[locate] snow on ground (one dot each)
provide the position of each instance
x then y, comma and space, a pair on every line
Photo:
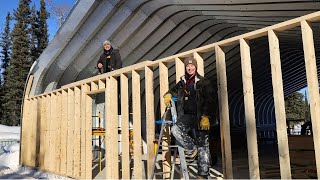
9, 157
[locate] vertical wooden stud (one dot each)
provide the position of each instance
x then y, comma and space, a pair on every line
200, 63
83, 132
71, 136
88, 134
77, 125
180, 69
64, 126
58, 132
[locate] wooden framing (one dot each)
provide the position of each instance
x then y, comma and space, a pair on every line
313, 86
224, 113
67, 111
280, 111
125, 126
150, 118
164, 87
136, 109
251, 130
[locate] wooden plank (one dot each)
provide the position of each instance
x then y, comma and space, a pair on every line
83, 132
58, 132
24, 132
164, 87
88, 121
224, 113
53, 126
77, 125
94, 86
47, 158
112, 166
93, 92
200, 62
279, 104
43, 136
71, 136
28, 88
249, 110
313, 86
180, 69
136, 110
64, 127
150, 118
102, 83
125, 127
33, 134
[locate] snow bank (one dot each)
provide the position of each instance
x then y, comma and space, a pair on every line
10, 129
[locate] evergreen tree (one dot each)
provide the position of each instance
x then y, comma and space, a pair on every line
34, 31
295, 106
43, 37
20, 63
5, 44
307, 107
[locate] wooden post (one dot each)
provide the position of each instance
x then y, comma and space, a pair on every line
58, 132
43, 132
88, 131
279, 104
249, 110
166, 140
150, 118
125, 127
77, 125
136, 109
180, 69
112, 166
200, 64
70, 139
25, 132
33, 130
48, 140
83, 139
64, 126
224, 113
313, 86
53, 132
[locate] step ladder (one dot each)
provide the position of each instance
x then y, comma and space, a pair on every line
176, 148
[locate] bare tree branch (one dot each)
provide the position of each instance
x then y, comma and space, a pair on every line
59, 11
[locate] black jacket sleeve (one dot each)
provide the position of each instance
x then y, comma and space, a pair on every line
209, 107
174, 90
117, 58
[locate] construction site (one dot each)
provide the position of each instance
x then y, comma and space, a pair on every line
82, 124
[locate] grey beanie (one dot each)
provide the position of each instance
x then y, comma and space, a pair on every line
106, 42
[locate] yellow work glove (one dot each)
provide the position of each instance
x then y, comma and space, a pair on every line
205, 123
167, 99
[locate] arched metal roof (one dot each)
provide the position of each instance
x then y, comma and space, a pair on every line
152, 29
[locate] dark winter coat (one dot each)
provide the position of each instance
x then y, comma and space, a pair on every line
205, 98
111, 64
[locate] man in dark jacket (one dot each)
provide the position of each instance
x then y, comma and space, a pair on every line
110, 59
195, 101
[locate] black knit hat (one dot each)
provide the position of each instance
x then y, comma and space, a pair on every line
190, 60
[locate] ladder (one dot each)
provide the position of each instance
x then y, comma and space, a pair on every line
183, 165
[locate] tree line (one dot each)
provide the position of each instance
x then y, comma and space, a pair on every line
20, 46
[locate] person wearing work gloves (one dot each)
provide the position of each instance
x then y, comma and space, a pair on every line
195, 99
110, 59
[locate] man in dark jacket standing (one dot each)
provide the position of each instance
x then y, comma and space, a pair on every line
195, 101
110, 59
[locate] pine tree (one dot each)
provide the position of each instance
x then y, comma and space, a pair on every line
20, 63
43, 38
5, 44
34, 31
307, 107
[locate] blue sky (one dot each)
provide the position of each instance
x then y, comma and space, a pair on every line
10, 5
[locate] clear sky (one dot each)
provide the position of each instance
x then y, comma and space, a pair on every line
10, 5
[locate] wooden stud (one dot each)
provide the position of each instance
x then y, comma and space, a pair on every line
94, 86
180, 69
313, 86
58, 132
88, 121
33, 129
125, 127
136, 109
249, 110
53, 133
224, 113
102, 84
83, 132
166, 140
24, 131
43, 136
48, 138
150, 118
279, 104
70, 139
200, 62
112, 129
77, 125
64, 126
